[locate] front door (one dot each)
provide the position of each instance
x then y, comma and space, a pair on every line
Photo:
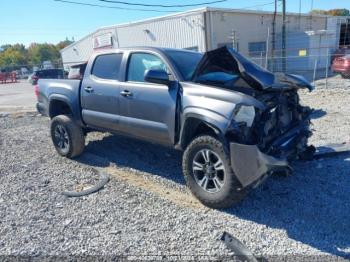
100, 92
148, 108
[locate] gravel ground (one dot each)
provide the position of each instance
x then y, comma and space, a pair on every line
333, 82
146, 210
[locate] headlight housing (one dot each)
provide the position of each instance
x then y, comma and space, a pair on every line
244, 114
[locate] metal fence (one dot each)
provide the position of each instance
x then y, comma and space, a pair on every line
31, 67
307, 52
25, 70
313, 67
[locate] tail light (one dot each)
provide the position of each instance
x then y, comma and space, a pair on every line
36, 90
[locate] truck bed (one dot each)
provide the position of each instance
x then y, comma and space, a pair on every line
64, 90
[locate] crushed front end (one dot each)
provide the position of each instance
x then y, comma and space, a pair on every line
264, 140
269, 127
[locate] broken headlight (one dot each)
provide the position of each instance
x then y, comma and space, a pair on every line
245, 114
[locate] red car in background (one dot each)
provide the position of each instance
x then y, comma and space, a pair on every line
341, 61
342, 65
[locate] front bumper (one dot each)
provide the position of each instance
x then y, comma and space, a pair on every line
250, 165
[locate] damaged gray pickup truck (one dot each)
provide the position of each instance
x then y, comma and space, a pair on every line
236, 122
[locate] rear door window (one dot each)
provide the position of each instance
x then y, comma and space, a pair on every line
107, 66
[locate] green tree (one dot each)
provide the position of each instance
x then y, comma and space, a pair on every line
13, 55
339, 12
4, 47
332, 12
63, 44
38, 53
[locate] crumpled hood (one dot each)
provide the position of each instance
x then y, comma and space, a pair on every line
228, 60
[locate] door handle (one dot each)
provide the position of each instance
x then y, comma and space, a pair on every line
88, 89
126, 93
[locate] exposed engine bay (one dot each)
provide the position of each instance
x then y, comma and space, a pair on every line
276, 123
282, 129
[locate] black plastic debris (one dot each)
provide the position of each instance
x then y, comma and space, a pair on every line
103, 181
240, 250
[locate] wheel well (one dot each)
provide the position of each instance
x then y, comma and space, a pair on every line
195, 127
58, 107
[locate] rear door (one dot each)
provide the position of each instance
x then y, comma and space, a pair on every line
100, 92
148, 109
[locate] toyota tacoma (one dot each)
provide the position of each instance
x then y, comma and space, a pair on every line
236, 122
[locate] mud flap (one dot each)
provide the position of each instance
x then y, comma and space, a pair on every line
249, 164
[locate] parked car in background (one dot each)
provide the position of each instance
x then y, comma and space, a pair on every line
46, 74
21, 75
340, 52
77, 71
341, 65
236, 122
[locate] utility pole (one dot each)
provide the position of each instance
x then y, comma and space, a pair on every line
273, 48
284, 35
267, 49
299, 14
311, 8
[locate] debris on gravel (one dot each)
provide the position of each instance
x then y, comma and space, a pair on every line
305, 215
86, 189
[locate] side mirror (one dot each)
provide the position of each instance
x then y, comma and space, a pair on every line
157, 77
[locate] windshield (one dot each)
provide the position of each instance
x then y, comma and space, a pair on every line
185, 62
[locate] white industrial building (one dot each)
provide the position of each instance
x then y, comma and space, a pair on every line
251, 32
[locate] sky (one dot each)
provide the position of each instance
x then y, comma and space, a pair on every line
27, 21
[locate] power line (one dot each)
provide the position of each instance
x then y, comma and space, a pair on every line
248, 7
164, 6
153, 10
115, 7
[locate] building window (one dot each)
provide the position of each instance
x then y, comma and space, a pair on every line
257, 49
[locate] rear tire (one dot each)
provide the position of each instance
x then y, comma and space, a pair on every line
215, 184
67, 137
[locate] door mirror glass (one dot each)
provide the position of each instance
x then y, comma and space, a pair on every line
157, 77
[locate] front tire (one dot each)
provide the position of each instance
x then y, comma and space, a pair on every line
67, 137
208, 173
